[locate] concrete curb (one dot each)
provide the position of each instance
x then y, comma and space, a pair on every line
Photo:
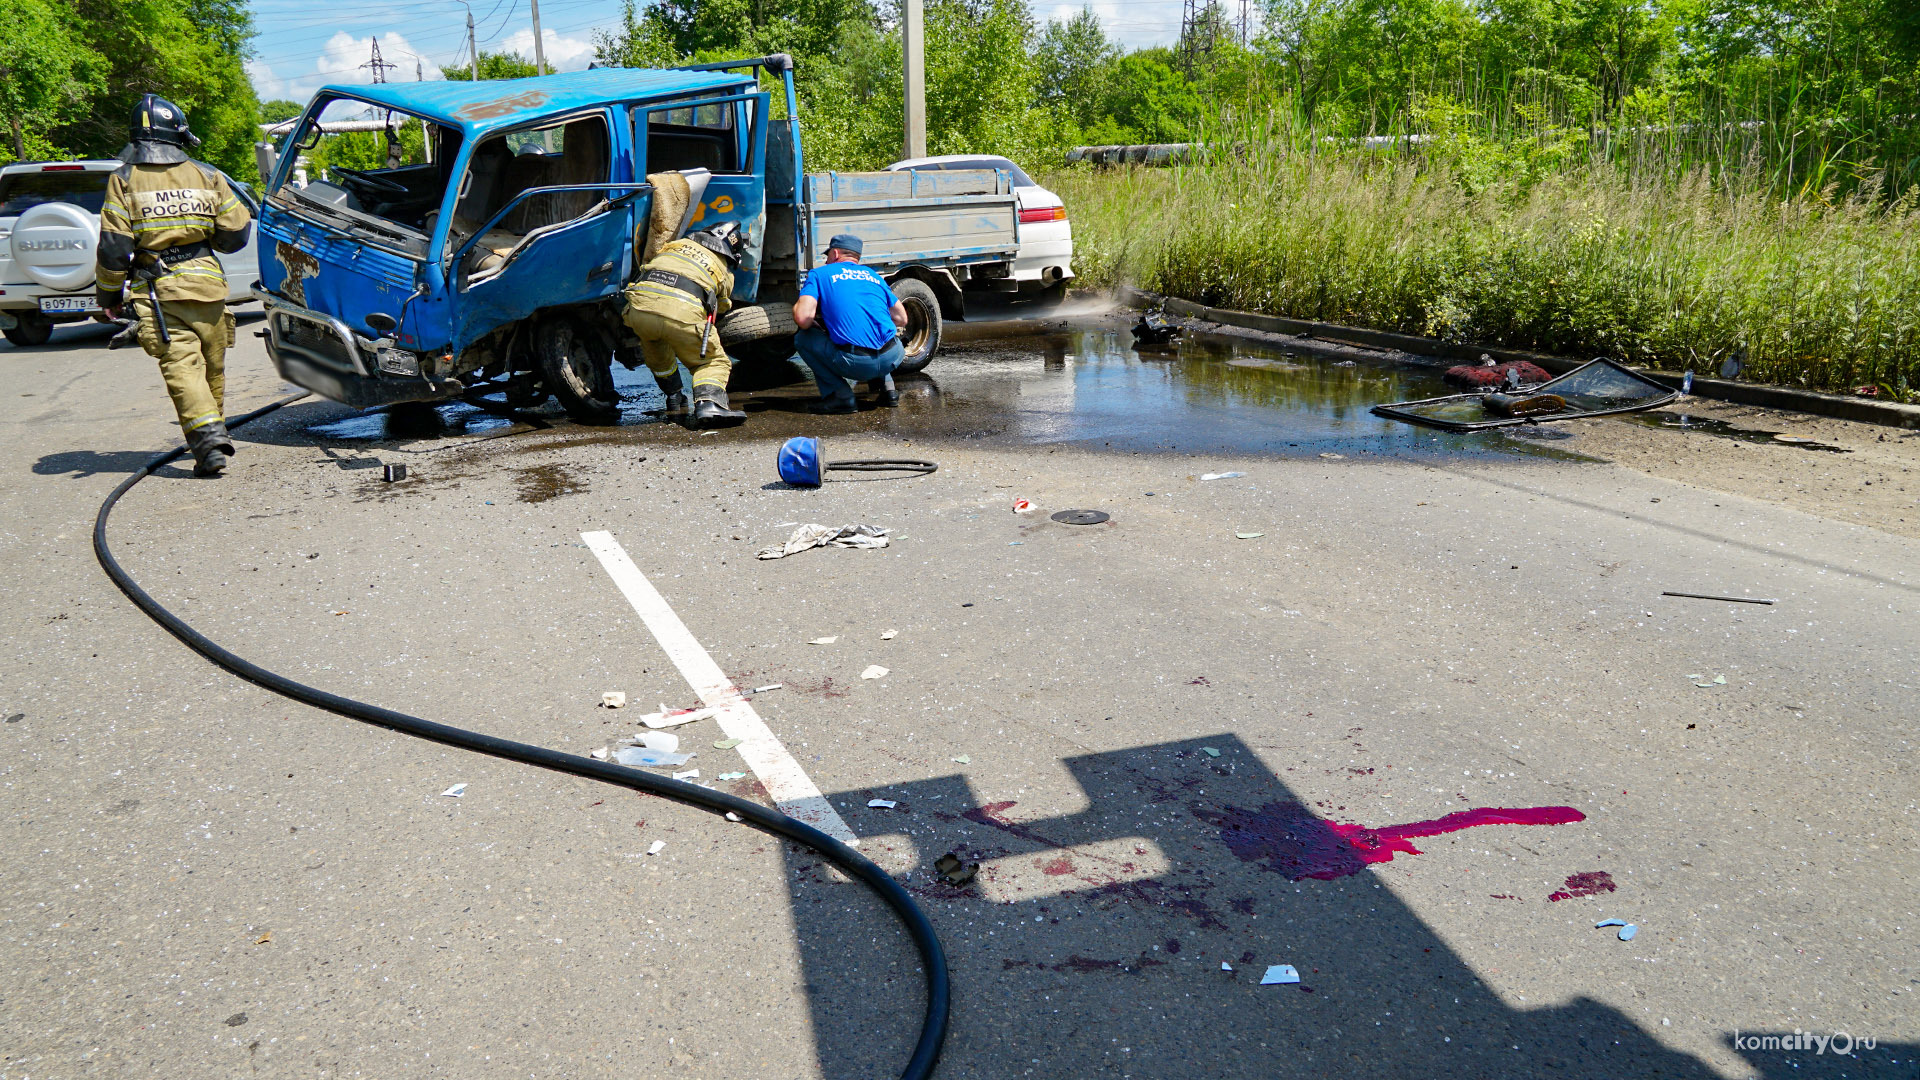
1863, 410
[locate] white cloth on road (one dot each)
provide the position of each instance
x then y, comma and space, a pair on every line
813, 536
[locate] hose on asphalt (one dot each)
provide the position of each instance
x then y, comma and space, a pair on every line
933, 1030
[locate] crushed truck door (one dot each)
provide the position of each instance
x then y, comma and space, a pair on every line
543, 216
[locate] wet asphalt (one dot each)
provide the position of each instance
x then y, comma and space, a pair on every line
1402, 710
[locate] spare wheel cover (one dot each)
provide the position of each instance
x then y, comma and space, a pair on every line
53, 244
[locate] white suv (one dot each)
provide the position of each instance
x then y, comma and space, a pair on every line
1044, 262
49, 224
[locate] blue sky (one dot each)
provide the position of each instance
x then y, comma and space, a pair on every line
303, 44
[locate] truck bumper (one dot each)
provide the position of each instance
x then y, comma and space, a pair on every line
317, 352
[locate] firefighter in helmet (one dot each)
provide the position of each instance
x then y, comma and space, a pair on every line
671, 308
164, 217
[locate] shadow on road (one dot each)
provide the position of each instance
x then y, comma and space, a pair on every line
1092, 945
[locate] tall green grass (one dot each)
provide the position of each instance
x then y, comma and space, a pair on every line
1587, 257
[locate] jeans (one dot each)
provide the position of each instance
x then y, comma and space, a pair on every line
833, 366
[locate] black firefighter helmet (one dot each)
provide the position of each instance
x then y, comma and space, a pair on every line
725, 240
159, 134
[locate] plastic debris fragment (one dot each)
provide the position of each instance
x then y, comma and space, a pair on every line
1609, 922
1222, 475
1209, 751
674, 717
769, 686
1334, 457
1224, 966
824, 640
888, 635
731, 816
955, 870
1627, 932
726, 744
656, 847
731, 775
613, 699
1248, 536
1280, 975
631, 756
964, 759
687, 774
874, 671
1023, 506
664, 741
598, 754
455, 791
882, 804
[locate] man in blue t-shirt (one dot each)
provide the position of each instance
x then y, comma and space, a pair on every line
849, 328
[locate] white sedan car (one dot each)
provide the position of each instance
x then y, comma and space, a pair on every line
49, 224
1045, 258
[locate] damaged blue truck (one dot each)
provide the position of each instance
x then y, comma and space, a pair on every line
490, 250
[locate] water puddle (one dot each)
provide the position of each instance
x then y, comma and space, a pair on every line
1083, 383
543, 482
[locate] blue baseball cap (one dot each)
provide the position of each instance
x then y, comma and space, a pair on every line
845, 242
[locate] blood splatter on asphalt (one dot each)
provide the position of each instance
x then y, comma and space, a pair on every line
1289, 838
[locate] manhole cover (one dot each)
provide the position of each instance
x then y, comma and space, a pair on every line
1080, 517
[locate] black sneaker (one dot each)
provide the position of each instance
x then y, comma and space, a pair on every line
884, 395
830, 407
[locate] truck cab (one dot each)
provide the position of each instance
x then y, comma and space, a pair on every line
462, 233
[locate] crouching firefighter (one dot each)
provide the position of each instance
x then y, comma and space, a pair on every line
671, 308
164, 217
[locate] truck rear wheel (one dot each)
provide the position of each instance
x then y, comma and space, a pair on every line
921, 335
33, 329
578, 369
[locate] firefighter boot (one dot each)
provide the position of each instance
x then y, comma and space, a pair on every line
710, 410
674, 386
211, 447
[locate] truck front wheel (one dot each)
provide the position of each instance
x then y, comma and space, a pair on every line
921, 335
578, 369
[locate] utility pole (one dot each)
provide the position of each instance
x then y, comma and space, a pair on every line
539, 50
380, 67
1243, 23
913, 38
473, 50
1189, 25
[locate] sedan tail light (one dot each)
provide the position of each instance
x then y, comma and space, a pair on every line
1043, 213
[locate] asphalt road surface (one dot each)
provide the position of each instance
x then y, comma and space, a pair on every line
1409, 717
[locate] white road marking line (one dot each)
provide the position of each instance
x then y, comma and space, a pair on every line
786, 782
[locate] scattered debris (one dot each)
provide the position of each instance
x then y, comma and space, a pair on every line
888, 635
1248, 536
1710, 596
726, 744
813, 536
731, 776
264, 938
394, 473
664, 741
882, 804
1523, 405
656, 847
954, 869
1280, 975
455, 791
1080, 517
1154, 328
598, 753
1487, 374
1221, 475
731, 816
1209, 751
1718, 680
674, 717
631, 756
1627, 929
688, 774
874, 671
824, 640
613, 699
1224, 966
1023, 506
769, 686
964, 759
1333, 457
1590, 883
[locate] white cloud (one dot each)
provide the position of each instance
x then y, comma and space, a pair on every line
340, 61
563, 53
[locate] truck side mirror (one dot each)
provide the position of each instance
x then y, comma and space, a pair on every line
381, 323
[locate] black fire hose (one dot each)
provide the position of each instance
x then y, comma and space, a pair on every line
933, 1030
